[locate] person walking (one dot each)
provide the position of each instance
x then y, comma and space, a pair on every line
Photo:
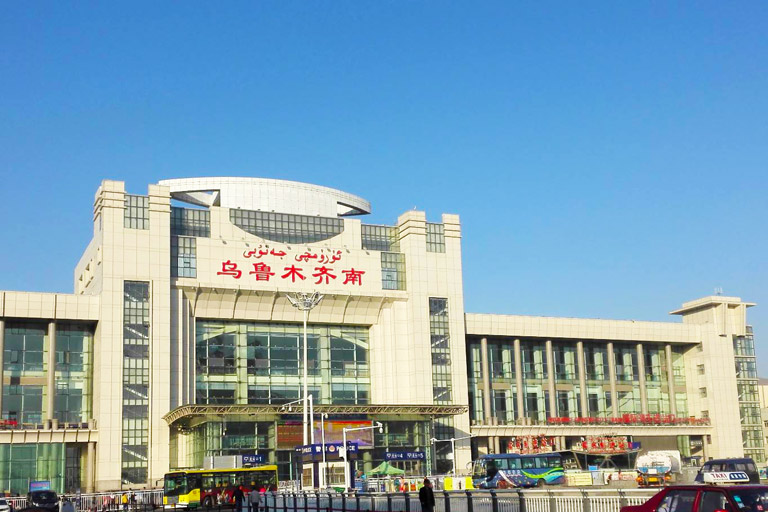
124, 500
427, 497
253, 497
238, 495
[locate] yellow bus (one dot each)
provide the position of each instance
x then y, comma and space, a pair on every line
209, 487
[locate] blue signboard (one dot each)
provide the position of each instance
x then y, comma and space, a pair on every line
253, 459
40, 485
405, 456
330, 448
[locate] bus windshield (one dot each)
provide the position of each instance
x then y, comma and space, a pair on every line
175, 484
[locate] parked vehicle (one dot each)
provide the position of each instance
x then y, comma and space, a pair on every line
43, 499
5, 506
746, 465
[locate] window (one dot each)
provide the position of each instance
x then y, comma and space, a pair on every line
700, 369
703, 392
135, 403
286, 228
183, 256
136, 213
380, 238
435, 237
711, 501
392, 271
441, 367
190, 222
677, 501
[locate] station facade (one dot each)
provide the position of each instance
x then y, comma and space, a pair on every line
180, 343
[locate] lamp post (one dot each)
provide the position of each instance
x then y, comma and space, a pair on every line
453, 449
305, 302
344, 431
322, 434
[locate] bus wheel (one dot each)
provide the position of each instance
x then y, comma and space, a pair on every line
208, 502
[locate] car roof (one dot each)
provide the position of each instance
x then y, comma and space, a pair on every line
736, 459
696, 487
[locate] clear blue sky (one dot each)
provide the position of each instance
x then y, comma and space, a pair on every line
607, 159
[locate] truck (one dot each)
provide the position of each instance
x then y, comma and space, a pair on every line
657, 468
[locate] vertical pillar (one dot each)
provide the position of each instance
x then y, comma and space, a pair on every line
582, 378
670, 380
641, 371
2, 348
90, 467
519, 381
486, 381
51, 372
612, 378
551, 379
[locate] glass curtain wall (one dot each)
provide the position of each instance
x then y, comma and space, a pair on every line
566, 379
72, 403
21, 464
475, 378
535, 371
260, 363
599, 400
627, 377
24, 368
501, 364
656, 383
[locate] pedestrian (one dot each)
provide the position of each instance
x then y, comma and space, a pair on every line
238, 495
67, 506
427, 497
133, 501
253, 496
124, 500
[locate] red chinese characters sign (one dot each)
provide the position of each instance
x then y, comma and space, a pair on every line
310, 265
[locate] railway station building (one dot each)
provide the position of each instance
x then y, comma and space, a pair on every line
180, 343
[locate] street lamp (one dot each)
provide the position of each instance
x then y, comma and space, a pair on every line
344, 431
453, 449
305, 302
310, 407
323, 416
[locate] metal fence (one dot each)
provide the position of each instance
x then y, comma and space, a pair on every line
105, 501
560, 500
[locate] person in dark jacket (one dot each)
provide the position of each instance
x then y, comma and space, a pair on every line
238, 494
427, 497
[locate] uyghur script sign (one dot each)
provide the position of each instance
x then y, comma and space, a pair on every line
302, 266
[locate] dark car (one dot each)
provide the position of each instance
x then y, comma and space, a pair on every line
706, 498
746, 465
43, 499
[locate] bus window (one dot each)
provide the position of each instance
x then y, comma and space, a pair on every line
514, 463
175, 484
529, 462
194, 480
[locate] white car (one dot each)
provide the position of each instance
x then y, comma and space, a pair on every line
5, 506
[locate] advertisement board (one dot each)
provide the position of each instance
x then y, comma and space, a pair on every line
290, 435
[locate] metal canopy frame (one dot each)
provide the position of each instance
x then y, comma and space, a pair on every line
191, 411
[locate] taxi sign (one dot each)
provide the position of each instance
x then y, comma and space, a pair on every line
723, 477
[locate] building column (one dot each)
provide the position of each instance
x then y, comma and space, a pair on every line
612, 378
90, 467
51, 372
582, 378
519, 381
551, 379
670, 380
641, 371
487, 414
2, 349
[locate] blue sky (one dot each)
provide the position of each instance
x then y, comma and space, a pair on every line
607, 159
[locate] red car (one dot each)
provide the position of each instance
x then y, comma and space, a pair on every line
706, 498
